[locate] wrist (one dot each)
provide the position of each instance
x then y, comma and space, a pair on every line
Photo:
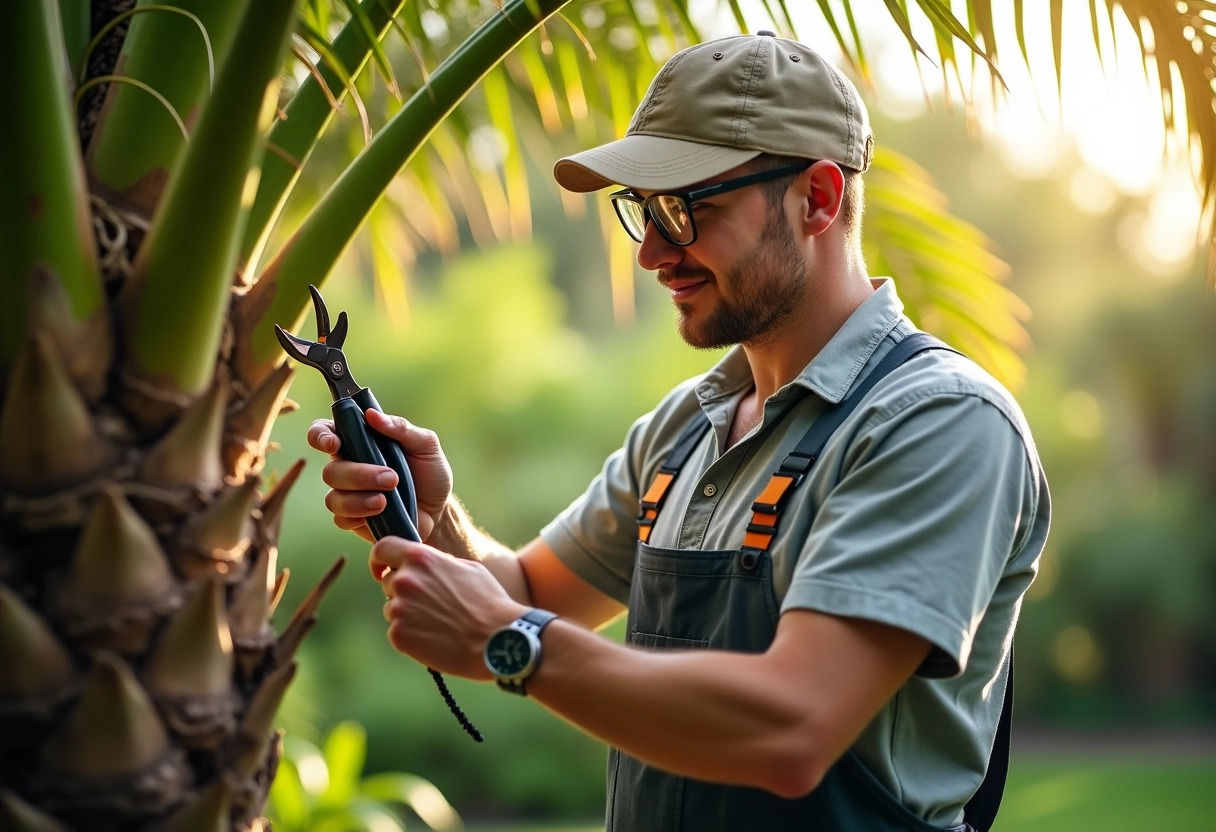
449, 532
457, 534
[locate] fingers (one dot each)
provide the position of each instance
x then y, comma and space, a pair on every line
354, 505
357, 493
358, 488
415, 440
354, 524
321, 437
390, 554
358, 476
379, 569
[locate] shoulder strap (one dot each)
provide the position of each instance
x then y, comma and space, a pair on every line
790, 473
980, 811
792, 469
653, 499
812, 444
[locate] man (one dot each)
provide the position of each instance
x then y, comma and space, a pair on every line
817, 640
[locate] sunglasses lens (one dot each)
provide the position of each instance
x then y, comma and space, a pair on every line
672, 214
632, 216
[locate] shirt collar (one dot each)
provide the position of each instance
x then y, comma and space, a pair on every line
832, 372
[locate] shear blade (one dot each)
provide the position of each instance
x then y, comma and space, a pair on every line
298, 346
318, 305
338, 336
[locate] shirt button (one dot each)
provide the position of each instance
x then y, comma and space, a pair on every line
710, 490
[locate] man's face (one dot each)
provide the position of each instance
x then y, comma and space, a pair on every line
734, 285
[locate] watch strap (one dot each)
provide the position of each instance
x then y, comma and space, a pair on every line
538, 618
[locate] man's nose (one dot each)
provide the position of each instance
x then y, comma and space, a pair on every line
655, 252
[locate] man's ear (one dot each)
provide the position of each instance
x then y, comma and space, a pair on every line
823, 188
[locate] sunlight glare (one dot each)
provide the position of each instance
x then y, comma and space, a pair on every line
1168, 236
487, 147
1162, 236
1107, 109
314, 774
1091, 191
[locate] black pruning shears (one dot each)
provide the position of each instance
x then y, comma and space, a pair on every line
360, 442
363, 443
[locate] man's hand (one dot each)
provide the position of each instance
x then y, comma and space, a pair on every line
440, 609
357, 487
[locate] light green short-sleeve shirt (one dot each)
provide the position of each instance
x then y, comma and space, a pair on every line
927, 511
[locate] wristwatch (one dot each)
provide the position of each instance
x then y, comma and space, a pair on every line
513, 652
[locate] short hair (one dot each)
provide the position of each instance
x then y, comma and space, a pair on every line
852, 202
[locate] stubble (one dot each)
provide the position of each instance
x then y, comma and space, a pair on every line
764, 288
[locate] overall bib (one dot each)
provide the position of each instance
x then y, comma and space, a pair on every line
724, 600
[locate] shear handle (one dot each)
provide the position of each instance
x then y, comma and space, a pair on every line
358, 445
394, 455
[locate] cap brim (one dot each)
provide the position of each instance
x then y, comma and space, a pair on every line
652, 163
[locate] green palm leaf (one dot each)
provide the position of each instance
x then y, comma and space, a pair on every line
945, 272
1177, 43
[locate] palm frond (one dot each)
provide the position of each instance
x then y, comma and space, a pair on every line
1180, 38
1177, 47
944, 268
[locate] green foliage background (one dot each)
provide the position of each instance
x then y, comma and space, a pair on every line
511, 355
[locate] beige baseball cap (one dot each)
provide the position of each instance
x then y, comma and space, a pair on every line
718, 104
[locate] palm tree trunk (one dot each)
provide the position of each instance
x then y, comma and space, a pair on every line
139, 674
139, 671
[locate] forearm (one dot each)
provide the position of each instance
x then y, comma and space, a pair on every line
457, 534
713, 715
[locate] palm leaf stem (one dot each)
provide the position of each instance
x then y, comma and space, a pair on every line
312, 251
175, 305
136, 146
308, 114
44, 219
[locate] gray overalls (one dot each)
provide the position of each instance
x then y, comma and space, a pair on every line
724, 600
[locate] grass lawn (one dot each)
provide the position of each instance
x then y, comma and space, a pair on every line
1072, 791
1110, 792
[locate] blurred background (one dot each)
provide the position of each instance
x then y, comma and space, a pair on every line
530, 347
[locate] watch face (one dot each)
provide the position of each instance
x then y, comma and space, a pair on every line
508, 653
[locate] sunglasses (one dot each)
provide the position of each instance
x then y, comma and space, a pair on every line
672, 213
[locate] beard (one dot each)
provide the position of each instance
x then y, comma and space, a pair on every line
765, 285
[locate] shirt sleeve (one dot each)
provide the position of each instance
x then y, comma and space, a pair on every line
597, 535
921, 524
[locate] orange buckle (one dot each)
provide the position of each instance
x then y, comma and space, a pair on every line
651, 501
654, 495
774, 492
760, 531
